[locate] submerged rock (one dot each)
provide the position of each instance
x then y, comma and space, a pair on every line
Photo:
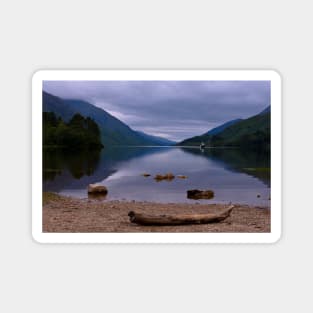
200, 194
168, 176
182, 176
146, 174
97, 189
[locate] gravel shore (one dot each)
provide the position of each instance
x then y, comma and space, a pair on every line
64, 214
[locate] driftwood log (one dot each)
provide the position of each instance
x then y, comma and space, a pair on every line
179, 219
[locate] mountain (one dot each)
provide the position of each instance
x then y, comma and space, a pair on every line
113, 131
266, 110
206, 136
252, 132
160, 141
220, 128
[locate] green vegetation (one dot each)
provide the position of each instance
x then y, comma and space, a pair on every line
252, 133
78, 134
50, 196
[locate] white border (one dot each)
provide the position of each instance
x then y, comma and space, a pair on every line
271, 75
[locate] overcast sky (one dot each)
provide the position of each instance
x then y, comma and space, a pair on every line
172, 109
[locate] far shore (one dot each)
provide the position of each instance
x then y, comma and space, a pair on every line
70, 215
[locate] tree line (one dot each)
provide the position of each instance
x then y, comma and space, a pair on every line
257, 140
79, 133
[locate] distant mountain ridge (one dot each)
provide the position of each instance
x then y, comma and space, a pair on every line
250, 132
113, 131
161, 140
220, 128
266, 110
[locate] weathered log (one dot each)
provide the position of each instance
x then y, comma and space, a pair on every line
179, 219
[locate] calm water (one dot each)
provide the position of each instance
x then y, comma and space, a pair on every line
234, 175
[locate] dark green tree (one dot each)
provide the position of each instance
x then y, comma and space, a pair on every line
79, 133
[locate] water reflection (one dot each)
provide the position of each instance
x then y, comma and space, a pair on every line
79, 163
252, 162
233, 174
65, 169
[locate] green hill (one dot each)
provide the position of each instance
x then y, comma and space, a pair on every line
253, 132
113, 131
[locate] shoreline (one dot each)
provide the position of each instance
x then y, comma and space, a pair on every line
71, 215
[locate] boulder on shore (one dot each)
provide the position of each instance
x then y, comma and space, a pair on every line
97, 196
97, 189
200, 194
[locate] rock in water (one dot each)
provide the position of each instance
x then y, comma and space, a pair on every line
168, 176
97, 189
200, 194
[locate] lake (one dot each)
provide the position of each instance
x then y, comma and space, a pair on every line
234, 175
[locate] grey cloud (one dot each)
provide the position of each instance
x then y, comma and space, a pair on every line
176, 109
